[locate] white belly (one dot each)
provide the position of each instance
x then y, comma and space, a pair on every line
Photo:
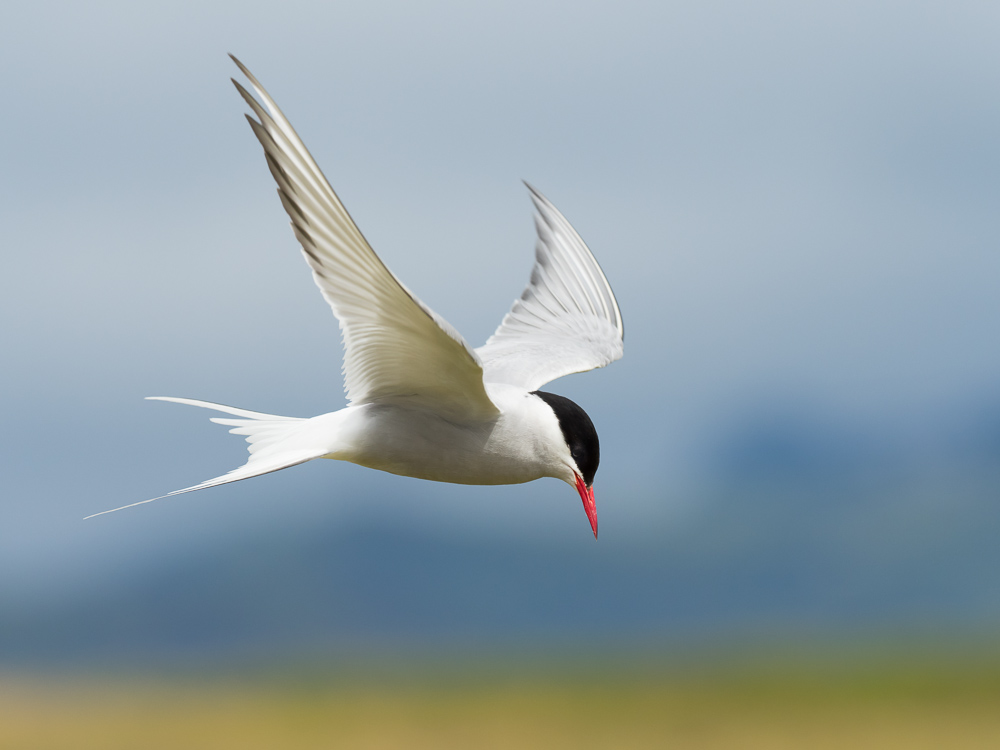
511, 449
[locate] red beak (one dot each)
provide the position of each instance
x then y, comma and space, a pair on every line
587, 495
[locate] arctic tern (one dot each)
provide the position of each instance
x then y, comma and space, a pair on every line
422, 402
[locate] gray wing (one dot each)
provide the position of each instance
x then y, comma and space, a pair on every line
395, 347
567, 319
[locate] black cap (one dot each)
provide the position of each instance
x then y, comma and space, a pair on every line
578, 432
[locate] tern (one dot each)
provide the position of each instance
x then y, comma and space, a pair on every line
421, 402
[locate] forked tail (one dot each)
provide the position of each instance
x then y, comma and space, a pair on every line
275, 443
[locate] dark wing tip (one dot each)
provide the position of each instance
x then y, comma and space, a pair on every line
535, 194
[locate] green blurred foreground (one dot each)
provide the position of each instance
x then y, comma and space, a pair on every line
857, 707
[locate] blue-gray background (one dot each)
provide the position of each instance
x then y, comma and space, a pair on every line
795, 203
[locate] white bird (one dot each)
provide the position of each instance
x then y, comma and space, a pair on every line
422, 402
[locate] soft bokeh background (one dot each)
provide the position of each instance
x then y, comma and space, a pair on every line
795, 203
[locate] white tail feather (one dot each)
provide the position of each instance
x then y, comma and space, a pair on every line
222, 407
273, 445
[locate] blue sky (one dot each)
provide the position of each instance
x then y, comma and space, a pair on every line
795, 203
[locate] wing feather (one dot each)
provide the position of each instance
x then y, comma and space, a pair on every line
395, 346
567, 319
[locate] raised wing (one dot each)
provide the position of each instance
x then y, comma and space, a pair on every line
567, 319
395, 346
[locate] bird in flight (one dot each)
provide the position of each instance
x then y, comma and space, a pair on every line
422, 402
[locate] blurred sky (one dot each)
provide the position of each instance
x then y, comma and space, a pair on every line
796, 204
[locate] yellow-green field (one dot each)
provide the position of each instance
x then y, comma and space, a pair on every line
860, 707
